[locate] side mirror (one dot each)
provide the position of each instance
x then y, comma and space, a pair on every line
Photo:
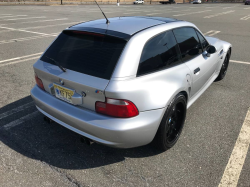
211, 49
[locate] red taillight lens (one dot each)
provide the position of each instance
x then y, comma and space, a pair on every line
117, 108
39, 82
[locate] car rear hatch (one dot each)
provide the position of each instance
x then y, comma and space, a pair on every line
89, 60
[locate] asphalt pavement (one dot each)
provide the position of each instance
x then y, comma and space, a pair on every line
34, 153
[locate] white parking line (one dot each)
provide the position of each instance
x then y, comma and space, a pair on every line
208, 32
236, 161
21, 57
214, 33
45, 26
37, 21
25, 18
15, 110
12, 29
12, 16
15, 62
247, 8
240, 62
27, 38
192, 13
228, 7
245, 18
21, 120
219, 14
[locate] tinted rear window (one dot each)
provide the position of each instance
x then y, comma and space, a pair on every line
88, 53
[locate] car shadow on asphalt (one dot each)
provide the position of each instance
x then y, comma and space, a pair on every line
57, 146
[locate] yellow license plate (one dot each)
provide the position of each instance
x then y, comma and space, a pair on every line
63, 93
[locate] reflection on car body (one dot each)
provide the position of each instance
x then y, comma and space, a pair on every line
131, 82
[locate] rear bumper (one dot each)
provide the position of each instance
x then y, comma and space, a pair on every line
114, 132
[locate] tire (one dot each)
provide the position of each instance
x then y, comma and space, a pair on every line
224, 67
172, 123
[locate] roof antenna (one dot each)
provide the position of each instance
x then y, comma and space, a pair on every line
107, 22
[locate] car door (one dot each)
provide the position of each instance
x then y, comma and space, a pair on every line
201, 66
211, 59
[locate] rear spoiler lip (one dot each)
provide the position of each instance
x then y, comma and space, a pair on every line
101, 31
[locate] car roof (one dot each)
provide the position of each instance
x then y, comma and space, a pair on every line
123, 25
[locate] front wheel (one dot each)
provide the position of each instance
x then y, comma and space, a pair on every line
224, 67
172, 123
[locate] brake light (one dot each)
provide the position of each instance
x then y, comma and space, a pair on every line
117, 108
88, 33
39, 82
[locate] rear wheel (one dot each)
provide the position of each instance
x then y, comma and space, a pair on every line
224, 67
172, 123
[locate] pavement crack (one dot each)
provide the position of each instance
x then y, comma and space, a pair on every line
65, 175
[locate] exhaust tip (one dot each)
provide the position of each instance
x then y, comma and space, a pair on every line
48, 120
86, 141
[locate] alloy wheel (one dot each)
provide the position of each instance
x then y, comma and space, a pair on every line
175, 122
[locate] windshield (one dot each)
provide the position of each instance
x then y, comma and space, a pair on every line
84, 52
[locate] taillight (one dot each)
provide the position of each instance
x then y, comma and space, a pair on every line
39, 82
117, 108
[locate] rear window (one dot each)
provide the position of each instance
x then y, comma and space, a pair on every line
84, 52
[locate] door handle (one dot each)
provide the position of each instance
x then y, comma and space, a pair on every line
197, 70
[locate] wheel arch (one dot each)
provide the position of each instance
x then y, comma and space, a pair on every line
230, 50
183, 92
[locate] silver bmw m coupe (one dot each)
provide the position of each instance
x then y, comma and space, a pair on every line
128, 82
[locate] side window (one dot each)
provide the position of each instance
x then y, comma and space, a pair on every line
159, 53
203, 41
188, 42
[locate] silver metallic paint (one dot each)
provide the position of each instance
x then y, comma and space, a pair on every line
150, 93
116, 132
129, 59
128, 25
73, 80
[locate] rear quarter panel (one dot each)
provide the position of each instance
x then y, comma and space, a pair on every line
152, 91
